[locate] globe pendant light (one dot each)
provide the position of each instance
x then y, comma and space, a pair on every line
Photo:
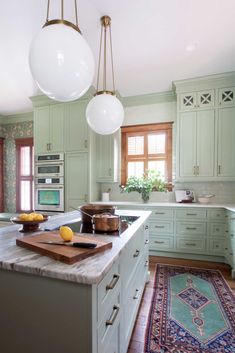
60, 60
105, 112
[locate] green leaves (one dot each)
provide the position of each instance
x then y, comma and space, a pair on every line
149, 181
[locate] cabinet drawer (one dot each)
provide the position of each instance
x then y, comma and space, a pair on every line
107, 288
216, 229
161, 213
109, 323
131, 257
191, 213
133, 297
161, 243
216, 246
161, 227
190, 245
191, 228
217, 215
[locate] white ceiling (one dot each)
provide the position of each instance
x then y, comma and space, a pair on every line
149, 42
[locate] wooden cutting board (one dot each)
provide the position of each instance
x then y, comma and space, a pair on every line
66, 254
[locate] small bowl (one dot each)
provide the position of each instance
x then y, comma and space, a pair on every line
204, 199
28, 226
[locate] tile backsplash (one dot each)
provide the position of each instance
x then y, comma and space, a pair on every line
224, 192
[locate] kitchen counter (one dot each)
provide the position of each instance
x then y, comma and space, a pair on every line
88, 271
230, 207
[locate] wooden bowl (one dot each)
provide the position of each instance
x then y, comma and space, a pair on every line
29, 226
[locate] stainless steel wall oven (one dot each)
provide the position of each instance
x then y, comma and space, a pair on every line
49, 182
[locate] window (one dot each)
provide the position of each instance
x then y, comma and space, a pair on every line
24, 174
147, 147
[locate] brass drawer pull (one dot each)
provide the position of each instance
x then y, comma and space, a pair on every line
160, 227
191, 228
113, 315
136, 254
136, 296
146, 241
160, 213
113, 283
190, 244
191, 214
159, 242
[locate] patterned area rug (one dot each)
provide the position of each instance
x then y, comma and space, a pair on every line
192, 311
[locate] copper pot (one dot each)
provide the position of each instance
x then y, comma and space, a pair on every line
89, 210
105, 222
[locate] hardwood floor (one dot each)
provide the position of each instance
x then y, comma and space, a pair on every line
138, 335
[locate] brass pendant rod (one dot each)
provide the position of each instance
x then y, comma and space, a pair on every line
104, 73
99, 61
76, 12
48, 8
62, 9
111, 49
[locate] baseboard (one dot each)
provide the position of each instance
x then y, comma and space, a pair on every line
189, 256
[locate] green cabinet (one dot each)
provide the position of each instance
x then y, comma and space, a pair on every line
49, 129
76, 179
107, 158
226, 142
205, 128
194, 100
75, 127
196, 130
230, 239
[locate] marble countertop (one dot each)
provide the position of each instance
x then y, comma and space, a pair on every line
230, 207
88, 271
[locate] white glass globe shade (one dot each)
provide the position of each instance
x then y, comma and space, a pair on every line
105, 114
61, 62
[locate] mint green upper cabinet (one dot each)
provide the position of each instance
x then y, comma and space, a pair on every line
76, 180
227, 96
107, 158
187, 144
76, 128
195, 100
196, 130
226, 142
49, 129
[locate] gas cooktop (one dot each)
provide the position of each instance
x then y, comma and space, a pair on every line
80, 227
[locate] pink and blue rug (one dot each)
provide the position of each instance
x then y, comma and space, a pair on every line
192, 311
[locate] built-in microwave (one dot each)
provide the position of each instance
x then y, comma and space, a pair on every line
49, 170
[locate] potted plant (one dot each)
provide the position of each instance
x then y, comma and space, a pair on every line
148, 182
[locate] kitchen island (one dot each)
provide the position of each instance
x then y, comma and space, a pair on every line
88, 307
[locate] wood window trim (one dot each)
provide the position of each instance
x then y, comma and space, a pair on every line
21, 142
145, 129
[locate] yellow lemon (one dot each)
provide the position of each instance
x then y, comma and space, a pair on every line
66, 233
23, 217
38, 217
29, 217
33, 215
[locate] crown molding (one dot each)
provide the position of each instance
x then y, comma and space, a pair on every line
146, 99
16, 118
42, 99
226, 79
